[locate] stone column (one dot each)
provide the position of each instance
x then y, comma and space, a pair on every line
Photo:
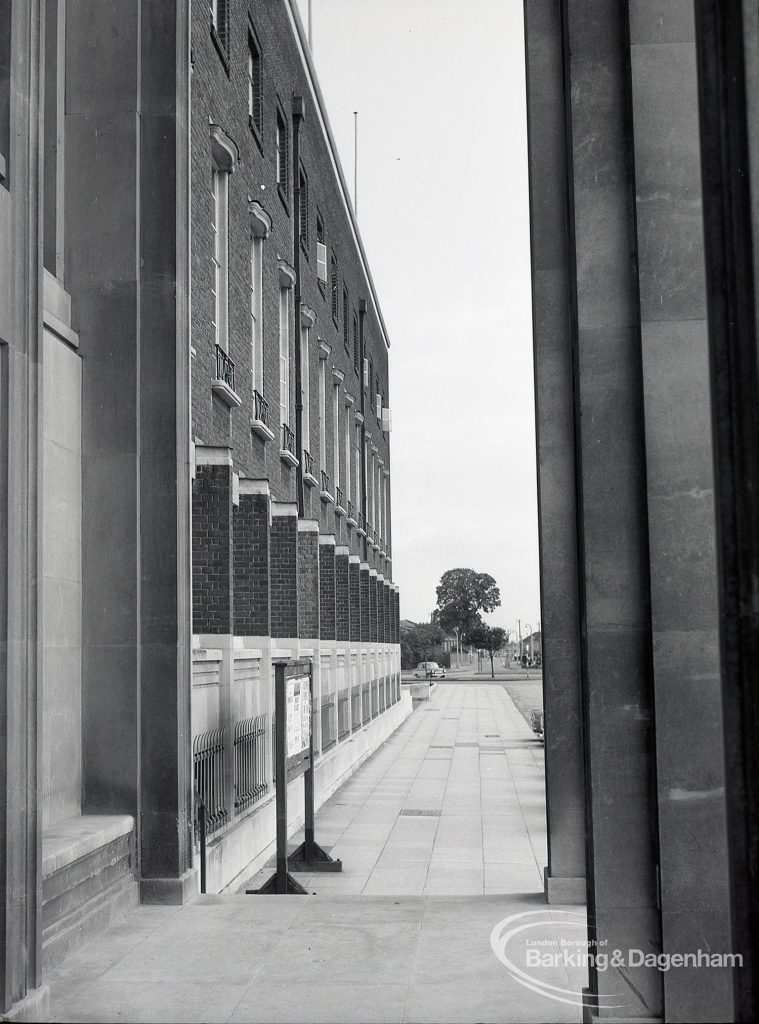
690, 758
284, 570
327, 587
554, 412
127, 268
728, 62
21, 989
614, 571
251, 547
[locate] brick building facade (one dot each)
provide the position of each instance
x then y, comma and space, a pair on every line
290, 400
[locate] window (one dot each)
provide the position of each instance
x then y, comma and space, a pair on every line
303, 209
323, 414
220, 257
286, 281
255, 85
346, 337
334, 285
223, 163
321, 253
356, 347
256, 309
220, 27
336, 431
357, 456
307, 321
347, 453
283, 152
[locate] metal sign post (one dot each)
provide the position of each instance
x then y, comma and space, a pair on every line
310, 856
288, 683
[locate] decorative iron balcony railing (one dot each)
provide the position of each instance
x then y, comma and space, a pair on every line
339, 497
308, 463
225, 368
260, 408
288, 439
325, 481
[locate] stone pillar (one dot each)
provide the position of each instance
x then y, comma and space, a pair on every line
212, 551
327, 587
690, 759
251, 546
342, 593
365, 628
554, 412
728, 80
614, 572
283, 561
127, 268
21, 989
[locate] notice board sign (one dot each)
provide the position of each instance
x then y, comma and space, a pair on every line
298, 700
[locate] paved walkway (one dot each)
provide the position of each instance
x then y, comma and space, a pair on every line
452, 805
442, 836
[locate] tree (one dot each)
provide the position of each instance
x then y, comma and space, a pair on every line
490, 639
421, 641
461, 595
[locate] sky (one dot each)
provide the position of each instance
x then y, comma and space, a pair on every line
443, 212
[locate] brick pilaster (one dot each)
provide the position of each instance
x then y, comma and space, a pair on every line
396, 616
212, 598
327, 587
373, 606
380, 609
252, 607
342, 594
308, 579
354, 601
283, 570
388, 618
365, 631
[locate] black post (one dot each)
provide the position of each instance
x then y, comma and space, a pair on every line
280, 707
202, 827
308, 846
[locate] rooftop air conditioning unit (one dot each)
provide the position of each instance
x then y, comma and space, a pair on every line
321, 261
387, 420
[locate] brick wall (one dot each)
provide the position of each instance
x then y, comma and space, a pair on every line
283, 574
396, 617
342, 595
327, 580
308, 580
251, 566
354, 601
212, 605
